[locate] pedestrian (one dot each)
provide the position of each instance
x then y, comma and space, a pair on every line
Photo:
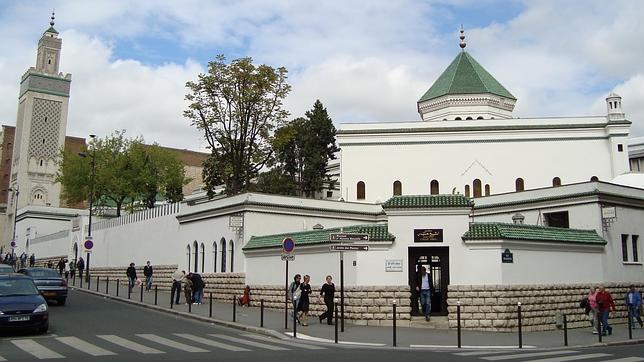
147, 272
23, 260
244, 299
328, 292
175, 292
424, 288
66, 269
605, 304
294, 292
72, 269
593, 312
303, 302
197, 288
61, 266
32, 260
633, 301
50, 265
131, 276
80, 265
187, 288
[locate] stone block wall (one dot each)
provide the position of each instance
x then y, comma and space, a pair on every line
494, 307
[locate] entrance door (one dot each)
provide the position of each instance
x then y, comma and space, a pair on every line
436, 261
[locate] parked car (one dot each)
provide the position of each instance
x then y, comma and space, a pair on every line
6, 269
21, 305
51, 285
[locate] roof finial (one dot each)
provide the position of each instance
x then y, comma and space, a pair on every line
53, 17
462, 44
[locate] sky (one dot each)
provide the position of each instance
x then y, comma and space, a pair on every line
366, 60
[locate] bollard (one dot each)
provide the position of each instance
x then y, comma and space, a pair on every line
117, 287
171, 300
81, 282
234, 310
394, 321
458, 322
98, 278
336, 320
107, 286
156, 291
74, 279
190, 307
565, 323
129, 290
630, 323
141, 292
261, 313
89, 282
210, 311
599, 327
294, 317
520, 334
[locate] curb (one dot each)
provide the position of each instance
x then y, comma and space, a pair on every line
235, 325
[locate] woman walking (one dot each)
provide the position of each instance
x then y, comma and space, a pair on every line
594, 308
303, 306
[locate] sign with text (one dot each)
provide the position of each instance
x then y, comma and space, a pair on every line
428, 235
288, 257
507, 257
348, 237
350, 247
393, 265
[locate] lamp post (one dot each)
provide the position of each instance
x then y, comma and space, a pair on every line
16, 192
91, 197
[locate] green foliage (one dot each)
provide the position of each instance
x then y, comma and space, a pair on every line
237, 106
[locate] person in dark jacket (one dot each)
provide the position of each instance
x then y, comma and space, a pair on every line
80, 265
633, 301
131, 276
606, 304
61, 266
197, 285
147, 272
328, 293
303, 303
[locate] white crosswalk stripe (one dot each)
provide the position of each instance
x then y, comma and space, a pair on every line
250, 343
572, 358
211, 343
35, 349
284, 343
83, 346
171, 343
526, 355
2, 359
478, 353
626, 359
129, 344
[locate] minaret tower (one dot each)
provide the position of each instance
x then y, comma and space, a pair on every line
40, 127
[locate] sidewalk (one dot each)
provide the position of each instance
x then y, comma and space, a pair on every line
382, 336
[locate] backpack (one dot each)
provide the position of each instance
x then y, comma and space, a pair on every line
583, 303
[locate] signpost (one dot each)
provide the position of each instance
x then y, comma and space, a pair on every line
346, 237
287, 257
288, 246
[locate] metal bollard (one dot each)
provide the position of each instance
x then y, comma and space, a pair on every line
98, 279
74, 279
81, 282
89, 282
117, 287
458, 322
394, 321
141, 292
129, 290
520, 334
171, 299
210, 312
630, 323
190, 307
565, 323
599, 327
107, 286
294, 318
261, 313
156, 291
336, 320
234, 310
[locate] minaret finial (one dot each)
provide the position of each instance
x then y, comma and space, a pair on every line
53, 17
462, 44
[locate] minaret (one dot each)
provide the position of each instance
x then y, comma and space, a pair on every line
40, 127
614, 106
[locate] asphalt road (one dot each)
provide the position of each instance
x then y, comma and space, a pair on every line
90, 326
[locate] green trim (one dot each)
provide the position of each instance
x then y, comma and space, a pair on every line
41, 75
44, 92
427, 202
494, 231
377, 232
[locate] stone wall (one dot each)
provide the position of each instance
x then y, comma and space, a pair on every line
494, 307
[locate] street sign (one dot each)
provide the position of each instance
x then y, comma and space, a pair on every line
350, 247
288, 257
348, 237
288, 245
89, 244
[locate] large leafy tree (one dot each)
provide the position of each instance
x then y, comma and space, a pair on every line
237, 106
125, 171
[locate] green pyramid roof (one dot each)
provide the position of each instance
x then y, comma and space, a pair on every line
51, 30
465, 76
427, 202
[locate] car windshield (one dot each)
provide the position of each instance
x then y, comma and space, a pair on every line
6, 269
43, 273
21, 286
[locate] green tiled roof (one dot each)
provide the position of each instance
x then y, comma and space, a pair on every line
377, 232
51, 30
427, 201
484, 231
465, 76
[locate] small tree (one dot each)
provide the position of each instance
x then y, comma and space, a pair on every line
237, 106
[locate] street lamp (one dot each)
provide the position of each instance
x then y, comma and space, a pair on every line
16, 192
91, 196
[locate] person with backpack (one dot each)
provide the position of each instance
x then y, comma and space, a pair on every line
147, 272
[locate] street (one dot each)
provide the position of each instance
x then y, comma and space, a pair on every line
114, 331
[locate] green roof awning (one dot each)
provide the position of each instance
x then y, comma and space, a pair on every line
427, 201
377, 232
487, 231
465, 76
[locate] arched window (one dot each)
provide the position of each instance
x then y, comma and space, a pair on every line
479, 117
188, 255
195, 248
477, 188
214, 256
203, 258
556, 182
457, 119
467, 190
434, 187
468, 118
518, 185
594, 178
360, 190
232, 255
222, 245
397, 188
487, 189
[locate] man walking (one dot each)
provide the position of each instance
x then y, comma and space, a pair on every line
633, 301
131, 276
424, 288
606, 304
197, 285
32, 260
328, 292
147, 272
175, 292
80, 265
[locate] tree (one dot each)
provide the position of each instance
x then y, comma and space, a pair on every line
237, 106
125, 170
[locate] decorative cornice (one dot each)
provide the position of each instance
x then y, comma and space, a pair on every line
396, 143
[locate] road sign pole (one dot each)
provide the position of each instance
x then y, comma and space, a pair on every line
286, 298
341, 291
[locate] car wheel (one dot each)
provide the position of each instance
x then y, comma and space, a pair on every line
62, 301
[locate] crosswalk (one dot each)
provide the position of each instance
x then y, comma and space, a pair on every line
57, 347
547, 356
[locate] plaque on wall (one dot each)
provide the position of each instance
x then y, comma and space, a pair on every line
507, 257
428, 235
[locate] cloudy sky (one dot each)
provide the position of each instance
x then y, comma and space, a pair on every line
365, 60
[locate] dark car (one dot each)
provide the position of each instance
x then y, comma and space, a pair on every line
6, 269
21, 305
51, 285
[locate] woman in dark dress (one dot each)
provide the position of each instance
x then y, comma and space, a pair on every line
303, 306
